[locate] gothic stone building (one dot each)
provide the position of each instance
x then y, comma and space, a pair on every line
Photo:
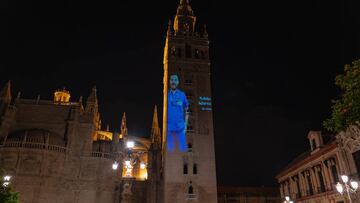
311, 177
56, 152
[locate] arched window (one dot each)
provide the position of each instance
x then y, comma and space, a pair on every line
202, 54
195, 169
191, 189
197, 52
179, 52
173, 51
187, 51
185, 169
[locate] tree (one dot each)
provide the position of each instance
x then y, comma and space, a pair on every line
346, 110
7, 196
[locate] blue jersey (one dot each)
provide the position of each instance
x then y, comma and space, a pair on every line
177, 103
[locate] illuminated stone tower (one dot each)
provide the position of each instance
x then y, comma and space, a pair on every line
190, 176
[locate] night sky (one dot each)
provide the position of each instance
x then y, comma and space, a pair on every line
273, 67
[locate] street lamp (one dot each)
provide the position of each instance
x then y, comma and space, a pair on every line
115, 165
346, 186
5, 182
287, 200
130, 144
128, 162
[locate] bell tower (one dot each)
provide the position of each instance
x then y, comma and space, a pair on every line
189, 176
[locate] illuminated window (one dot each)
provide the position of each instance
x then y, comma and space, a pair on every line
185, 169
195, 169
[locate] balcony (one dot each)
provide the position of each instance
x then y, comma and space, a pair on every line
191, 197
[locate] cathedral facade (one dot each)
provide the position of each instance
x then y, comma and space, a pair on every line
56, 151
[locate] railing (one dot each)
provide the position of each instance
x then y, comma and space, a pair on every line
191, 196
103, 155
56, 148
32, 145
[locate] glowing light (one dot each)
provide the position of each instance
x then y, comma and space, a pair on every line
287, 198
5, 184
130, 144
7, 178
291, 202
127, 163
345, 178
128, 168
354, 185
339, 188
115, 165
142, 165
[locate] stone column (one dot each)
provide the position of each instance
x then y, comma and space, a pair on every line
326, 176
314, 180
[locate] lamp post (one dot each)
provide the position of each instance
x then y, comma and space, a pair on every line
287, 200
127, 162
348, 186
5, 182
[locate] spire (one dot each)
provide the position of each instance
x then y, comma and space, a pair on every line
123, 128
184, 8
18, 96
185, 19
5, 93
92, 102
155, 129
205, 34
170, 30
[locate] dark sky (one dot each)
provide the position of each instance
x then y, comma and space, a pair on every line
273, 67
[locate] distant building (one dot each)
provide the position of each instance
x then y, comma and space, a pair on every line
248, 195
311, 177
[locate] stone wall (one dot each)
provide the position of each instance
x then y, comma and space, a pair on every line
43, 176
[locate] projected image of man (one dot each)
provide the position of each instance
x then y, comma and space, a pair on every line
177, 116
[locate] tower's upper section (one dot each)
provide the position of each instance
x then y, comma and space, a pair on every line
185, 19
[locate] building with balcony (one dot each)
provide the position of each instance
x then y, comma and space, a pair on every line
312, 176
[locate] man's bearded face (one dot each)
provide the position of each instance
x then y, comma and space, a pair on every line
174, 82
